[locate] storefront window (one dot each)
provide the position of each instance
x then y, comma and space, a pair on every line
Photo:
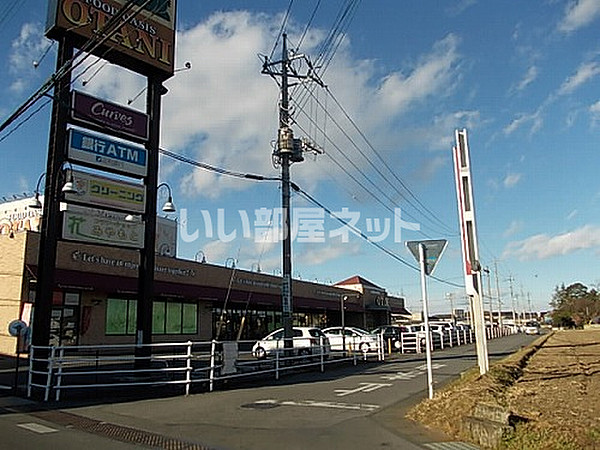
118, 316
174, 319
189, 321
158, 317
168, 317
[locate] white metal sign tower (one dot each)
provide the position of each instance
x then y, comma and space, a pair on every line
470, 248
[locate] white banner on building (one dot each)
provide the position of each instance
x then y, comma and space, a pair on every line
101, 227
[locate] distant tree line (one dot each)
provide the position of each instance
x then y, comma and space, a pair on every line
575, 305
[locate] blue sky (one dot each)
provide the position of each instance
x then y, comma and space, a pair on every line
522, 77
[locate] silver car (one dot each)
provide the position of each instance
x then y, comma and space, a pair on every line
354, 338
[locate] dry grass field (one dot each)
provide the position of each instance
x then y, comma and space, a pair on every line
552, 387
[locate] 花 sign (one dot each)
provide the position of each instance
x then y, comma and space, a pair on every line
101, 227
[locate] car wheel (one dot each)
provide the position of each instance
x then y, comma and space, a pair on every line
260, 353
364, 347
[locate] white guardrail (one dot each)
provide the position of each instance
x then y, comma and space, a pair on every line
56, 369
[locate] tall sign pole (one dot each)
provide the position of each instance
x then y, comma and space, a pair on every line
470, 248
51, 215
428, 254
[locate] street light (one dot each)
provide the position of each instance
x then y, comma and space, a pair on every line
68, 187
230, 263
9, 225
168, 207
197, 256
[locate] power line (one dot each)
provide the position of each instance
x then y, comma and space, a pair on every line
219, 170
111, 26
363, 236
308, 197
281, 28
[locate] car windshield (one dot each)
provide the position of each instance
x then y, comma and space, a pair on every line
360, 331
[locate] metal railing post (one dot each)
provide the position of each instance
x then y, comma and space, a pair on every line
188, 368
213, 351
61, 355
30, 376
50, 369
277, 365
322, 355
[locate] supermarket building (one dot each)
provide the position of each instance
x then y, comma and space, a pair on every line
95, 288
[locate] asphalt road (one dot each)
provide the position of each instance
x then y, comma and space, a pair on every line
344, 408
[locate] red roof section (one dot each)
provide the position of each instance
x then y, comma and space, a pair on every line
356, 279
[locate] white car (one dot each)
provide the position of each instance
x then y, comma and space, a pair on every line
531, 328
355, 339
306, 341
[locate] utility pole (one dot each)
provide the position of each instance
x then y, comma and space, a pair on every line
489, 286
512, 298
498, 293
288, 151
450, 296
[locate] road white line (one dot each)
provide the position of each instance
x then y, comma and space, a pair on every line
366, 387
37, 428
418, 371
451, 446
322, 404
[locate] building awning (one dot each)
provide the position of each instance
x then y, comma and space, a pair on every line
401, 311
110, 284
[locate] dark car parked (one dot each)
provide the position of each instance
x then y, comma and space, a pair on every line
391, 335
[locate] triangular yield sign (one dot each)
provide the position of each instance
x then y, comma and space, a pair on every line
433, 250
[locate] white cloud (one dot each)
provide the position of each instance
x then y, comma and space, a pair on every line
544, 246
460, 6
28, 47
431, 166
529, 78
585, 72
535, 120
594, 110
224, 112
572, 214
435, 71
511, 180
579, 14
320, 253
514, 227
